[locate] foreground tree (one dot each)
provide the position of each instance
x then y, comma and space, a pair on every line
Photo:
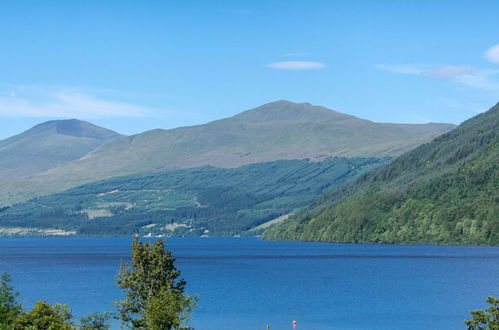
96, 321
9, 308
487, 319
43, 316
155, 297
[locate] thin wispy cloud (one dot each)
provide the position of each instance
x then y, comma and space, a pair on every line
405, 69
462, 74
492, 54
60, 102
451, 71
465, 75
296, 65
483, 79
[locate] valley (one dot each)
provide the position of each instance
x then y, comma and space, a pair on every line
189, 202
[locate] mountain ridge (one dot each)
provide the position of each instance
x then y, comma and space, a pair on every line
280, 130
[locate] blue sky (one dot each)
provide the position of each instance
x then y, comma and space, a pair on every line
137, 65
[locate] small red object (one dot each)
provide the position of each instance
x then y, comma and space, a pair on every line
293, 324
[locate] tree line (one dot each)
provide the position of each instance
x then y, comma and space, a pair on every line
155, 298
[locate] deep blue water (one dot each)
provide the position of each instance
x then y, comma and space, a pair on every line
245, 283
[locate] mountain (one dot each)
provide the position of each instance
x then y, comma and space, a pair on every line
49, 144
183, 202
276, 131
443, 192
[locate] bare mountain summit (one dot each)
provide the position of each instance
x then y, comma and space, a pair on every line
274, 131
49, 144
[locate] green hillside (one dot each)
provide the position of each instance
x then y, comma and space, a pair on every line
188, 201
49, 144
443, 192
275, 131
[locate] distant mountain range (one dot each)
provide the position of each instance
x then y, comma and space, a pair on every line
443, 192
50, 144
56, 156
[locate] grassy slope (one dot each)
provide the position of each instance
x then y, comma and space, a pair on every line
224, 201
275, 131
446, 191
50, 144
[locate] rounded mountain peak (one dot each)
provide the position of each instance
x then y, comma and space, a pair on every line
73, 127
289, 111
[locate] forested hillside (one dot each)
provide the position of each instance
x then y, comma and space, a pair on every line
279, 130
445, 192
191, 202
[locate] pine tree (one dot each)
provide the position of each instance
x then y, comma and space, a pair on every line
9, 308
